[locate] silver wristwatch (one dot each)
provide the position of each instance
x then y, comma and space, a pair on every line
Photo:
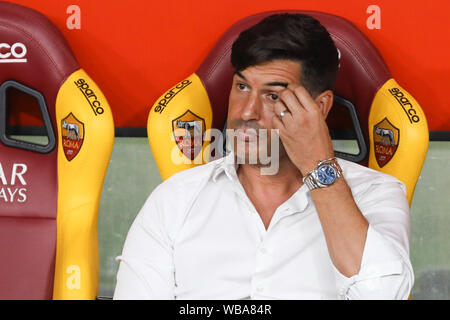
326, 174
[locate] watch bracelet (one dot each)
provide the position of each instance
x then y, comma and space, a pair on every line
311, 180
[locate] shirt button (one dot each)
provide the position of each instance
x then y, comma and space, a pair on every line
263, 250
260, 289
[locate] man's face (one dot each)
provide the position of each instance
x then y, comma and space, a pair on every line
252, 98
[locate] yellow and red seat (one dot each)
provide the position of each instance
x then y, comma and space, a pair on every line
49, 193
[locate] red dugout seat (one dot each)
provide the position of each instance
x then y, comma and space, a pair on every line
49, 192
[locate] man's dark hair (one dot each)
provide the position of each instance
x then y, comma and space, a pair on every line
296, 37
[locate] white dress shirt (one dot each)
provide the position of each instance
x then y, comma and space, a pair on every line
198, 236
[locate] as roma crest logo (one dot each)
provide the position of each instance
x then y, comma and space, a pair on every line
188, 131
386, 138
72, 136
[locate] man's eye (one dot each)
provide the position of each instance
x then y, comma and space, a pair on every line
273, 97
241, 86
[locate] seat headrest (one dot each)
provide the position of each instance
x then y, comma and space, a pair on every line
49, 194
33, 51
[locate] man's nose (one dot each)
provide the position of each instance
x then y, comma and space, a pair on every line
252, 108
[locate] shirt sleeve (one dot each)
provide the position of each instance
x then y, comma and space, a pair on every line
146, 269
385, 271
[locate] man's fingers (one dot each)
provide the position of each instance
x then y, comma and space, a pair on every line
278, 123
291, 101
282, 112
304, 98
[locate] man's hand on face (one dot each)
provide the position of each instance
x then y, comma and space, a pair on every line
302, 129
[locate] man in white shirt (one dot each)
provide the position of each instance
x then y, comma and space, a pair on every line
319, 228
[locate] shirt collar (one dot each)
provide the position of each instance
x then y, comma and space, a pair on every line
226, 165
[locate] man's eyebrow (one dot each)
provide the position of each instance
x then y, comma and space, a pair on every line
270, 84
277, 84
240, 75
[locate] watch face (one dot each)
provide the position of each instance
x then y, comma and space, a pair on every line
326, 174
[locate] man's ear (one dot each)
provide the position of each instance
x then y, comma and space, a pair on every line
325, 102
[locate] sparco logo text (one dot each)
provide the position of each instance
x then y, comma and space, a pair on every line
14, 53
90, 96
170, 95
405, 104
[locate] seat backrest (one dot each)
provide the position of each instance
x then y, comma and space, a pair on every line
380, 109
49, 191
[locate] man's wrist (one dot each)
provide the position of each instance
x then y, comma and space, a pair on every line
307, 166
325, 174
